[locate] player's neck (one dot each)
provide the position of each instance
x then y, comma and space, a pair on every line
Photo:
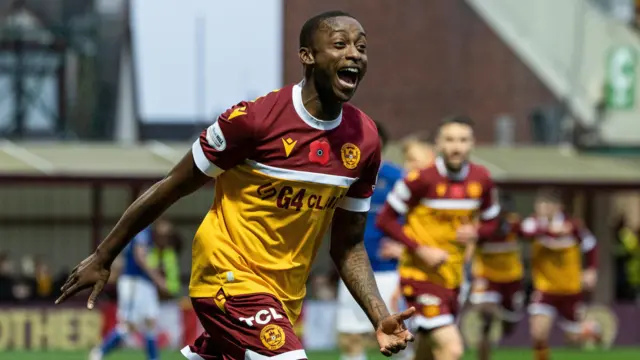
319, 108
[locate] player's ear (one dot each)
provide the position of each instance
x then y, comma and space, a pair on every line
306, 56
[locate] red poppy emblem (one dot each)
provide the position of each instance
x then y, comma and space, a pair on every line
457, 191
319, 152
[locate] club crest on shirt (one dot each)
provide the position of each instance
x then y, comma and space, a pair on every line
272, 337
474, 189
441, 189
350, 156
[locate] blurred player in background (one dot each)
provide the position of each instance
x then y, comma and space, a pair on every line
384, 253
417, 153
138, 304
352, 322
496, 289
439, 204
559, 244
287, 166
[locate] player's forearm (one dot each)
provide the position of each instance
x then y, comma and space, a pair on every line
351, 259
183, 179
387, 222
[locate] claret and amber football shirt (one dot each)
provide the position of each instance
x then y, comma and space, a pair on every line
280, 174
557, 258
435, 203
497, 257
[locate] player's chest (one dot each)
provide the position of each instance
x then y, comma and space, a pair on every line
314, 151
562, 242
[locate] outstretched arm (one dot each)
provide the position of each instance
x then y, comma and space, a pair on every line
182, 180
351, 259
220, 147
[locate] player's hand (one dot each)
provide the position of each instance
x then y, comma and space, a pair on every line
589, 279
432, 257
392, 334
93, 272
467, 233
390, 249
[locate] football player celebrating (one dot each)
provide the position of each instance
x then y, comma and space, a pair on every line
286, 166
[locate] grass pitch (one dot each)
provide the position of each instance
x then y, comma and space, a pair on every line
501, 354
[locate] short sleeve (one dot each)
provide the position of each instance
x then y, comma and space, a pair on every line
406, 192
489, 205
227, 142
358, 197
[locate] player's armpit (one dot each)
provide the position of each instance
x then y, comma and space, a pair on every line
351, 259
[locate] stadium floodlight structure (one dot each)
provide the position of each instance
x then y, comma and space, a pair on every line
47, 51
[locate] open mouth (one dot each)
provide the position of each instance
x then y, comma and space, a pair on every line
349, 76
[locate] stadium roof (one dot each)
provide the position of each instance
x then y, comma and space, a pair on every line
517, 165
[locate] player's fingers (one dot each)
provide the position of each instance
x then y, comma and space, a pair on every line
410, 338
407, 313
393, 348
68, 293
97, 289
71, 280
386, 352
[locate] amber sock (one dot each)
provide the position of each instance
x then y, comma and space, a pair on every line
541, 352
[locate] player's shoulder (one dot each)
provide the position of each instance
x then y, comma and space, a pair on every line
424, 175
358, 123
358, 130
258, 107
478, 172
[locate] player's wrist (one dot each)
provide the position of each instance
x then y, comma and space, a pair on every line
103, 257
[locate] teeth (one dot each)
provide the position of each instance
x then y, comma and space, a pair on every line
353, 70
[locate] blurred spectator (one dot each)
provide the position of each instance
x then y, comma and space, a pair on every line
44, 279
627, 260
24, 286
322, 288
164, 254
6, 277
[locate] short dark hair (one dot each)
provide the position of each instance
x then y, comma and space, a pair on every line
311, 26
382, 133
457, 119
